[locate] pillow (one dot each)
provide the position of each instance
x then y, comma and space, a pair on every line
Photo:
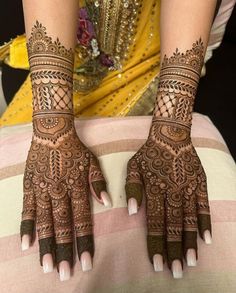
121, 261
218, 29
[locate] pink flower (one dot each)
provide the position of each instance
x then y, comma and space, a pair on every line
85, 30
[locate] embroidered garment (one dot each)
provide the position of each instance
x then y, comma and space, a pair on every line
116, 61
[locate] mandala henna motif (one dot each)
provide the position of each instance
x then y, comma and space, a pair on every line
58, 167
168, 166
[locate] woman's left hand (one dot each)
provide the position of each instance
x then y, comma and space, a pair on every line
174, 182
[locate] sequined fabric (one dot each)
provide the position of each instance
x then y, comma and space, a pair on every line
134, 47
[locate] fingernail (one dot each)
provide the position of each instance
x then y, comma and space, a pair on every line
177, 269
132, 206
24, 246
106, 199
86, 261
64, 271
158, 262
47, 263
191, 258
25, 242
207, 237
47, 267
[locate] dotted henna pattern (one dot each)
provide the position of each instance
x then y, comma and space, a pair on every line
59, 165
167, 165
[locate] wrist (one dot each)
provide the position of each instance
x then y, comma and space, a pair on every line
169, 130
51, 72
179, 78
53, 127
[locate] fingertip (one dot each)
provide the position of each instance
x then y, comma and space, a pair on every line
106, 199
47, 263
207, 237
26, 233
158, 262
64, 270
177, 269
25, 242
132, 206
86, 261
191, 257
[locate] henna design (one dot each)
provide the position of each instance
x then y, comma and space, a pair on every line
178, 83
53, 128
168, 166
51, 66
59, 165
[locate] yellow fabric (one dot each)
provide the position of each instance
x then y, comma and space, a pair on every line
118, 92
18, 57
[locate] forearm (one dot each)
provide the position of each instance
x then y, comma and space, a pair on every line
51, 38
185, 27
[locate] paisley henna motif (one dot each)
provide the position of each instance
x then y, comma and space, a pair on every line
167, 165
59, 166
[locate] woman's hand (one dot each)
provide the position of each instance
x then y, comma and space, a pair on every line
60, 172
174, 182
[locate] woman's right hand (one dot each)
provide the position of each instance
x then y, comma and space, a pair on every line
59, 174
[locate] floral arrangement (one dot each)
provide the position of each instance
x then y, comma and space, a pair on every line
88, 41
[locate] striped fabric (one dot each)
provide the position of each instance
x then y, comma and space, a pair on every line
218, 27
121, 262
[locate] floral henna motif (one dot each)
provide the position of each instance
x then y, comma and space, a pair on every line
59, 183
59, 165
178, 83
167, 165
53, 128
51, 66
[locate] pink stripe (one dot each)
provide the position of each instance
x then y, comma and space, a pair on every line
14, 149
121, 258
116, 220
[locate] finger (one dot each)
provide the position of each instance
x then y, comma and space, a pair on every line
190, 224
190, 247
158, 262
132, 206
207, 237
106, 199
155, 224
64, 270
83, 223
85, 248
191, 257
86, 261
47, 263
25, 242
62, 220
47, 248
203, 209
64, 253
97, 182
174, 227
27, 229
29, 209
156, 251
133, 186
177, 269
44, 223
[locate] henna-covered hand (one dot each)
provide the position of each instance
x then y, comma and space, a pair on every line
60, 172
167, 168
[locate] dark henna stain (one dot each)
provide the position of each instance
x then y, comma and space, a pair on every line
174, 179
56, 189
85, 243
